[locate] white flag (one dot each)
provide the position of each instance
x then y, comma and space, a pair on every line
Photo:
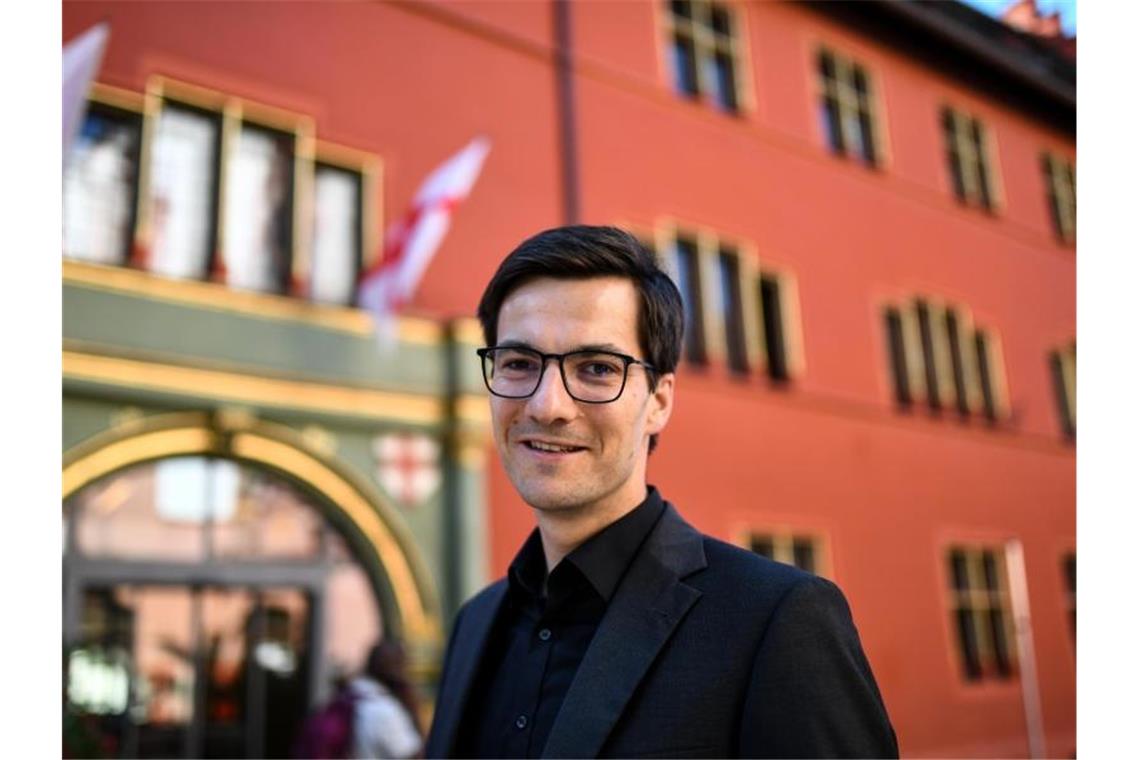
411, 242
81, 58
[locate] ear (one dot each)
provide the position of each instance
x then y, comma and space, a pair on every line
660, 404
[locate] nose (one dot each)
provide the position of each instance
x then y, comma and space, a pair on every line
551, 402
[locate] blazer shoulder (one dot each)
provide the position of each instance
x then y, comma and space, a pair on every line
729, 562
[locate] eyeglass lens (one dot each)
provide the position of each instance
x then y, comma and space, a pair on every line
589, 375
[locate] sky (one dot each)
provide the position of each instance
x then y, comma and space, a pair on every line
1068, 9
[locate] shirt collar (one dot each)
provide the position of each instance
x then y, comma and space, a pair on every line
602, 559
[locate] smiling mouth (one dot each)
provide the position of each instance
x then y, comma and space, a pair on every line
551, 448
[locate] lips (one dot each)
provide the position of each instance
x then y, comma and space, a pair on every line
550, 447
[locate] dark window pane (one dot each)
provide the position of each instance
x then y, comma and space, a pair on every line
949, 131
829, 115
721, 21
1051, 194
927, 332
867, 128
984, 375
956, 361
968, 644
1002, 659
685, 65
990, 571
959, 570
1061, 394
725, 77
732, 314
772, 314
689, 283
803, 552
763, 545
826, 65
898, 356
682, 8
983, 173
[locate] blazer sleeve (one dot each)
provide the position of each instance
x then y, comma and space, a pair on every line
432, 747
811, 692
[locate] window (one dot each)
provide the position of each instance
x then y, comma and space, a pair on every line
802, 551
258, 237
183, 199
1069, 571
1063, 365
100, 185
337, 243
732, 311
980, 612
1061, 187
845, 108
703, 51
968, 155
772, 305
687, 275
938, 356
230, 192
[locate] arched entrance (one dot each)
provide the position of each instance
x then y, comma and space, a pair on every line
219, 572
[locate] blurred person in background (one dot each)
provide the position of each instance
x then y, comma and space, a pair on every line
621, 630
385, 723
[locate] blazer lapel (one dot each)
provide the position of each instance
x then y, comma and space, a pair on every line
467, 652
642, 615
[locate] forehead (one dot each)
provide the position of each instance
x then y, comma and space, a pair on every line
561, 315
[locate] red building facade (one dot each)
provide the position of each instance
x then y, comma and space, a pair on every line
870, 212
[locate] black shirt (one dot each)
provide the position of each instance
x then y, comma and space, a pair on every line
541, 634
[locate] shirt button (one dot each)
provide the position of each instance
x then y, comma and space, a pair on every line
520, 722
544, 634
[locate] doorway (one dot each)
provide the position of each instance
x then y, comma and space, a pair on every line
208, 605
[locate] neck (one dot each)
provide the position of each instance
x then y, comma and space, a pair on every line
563, 531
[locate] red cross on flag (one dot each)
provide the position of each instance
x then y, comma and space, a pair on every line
410, 243
407, 466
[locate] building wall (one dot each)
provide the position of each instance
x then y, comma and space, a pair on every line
830, 453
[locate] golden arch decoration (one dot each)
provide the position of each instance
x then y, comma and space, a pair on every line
281, 449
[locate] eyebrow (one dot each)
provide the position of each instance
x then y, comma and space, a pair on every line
611, 347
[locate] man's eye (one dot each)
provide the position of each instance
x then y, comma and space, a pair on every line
517, 364
600, 369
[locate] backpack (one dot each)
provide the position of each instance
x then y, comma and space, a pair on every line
327, 734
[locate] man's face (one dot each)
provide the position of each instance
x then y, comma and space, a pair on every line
606, 470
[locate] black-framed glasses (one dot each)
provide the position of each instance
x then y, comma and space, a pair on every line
593, 377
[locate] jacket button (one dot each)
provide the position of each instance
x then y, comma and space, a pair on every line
520, 722
544, 634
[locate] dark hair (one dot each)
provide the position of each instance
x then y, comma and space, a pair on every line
581, 252
388, 664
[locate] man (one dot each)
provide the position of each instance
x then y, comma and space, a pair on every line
620, 630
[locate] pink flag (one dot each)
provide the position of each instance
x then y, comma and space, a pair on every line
409, 244
81, 58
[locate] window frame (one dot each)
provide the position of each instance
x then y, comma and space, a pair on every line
1063, 369
1061, 195
784, 538
162, 92
979, 602
133, 103
241, 112
706, 43
841, 88
370, 170
953, 364
970, 145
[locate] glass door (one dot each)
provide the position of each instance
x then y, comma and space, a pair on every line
198, 671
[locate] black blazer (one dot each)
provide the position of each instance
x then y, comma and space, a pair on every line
705, 650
